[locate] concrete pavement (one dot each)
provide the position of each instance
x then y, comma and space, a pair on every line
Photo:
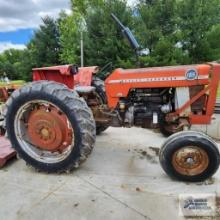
122, 179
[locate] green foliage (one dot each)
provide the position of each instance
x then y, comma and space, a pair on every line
45, 45
159, 31
69, 27
43, 50
157, 19
104, 41
213, 39
85, 6
175, 32
195, 20
10, 61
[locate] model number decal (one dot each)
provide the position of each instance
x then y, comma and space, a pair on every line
156, 79
191, 74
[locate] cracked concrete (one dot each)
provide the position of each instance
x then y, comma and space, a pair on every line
122, 179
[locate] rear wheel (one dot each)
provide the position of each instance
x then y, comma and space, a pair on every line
101, 95
50, 126
189, 156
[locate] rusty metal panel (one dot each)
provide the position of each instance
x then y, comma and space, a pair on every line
6, 151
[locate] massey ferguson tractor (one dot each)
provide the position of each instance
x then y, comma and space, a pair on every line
52, 122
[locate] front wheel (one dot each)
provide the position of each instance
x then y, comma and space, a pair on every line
50, 126
189, 156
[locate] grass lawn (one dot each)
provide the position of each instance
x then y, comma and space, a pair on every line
15, 82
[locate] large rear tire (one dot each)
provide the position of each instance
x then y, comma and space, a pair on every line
189, 156
100, 90
54, 104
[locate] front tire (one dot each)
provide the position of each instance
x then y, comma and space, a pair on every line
189, 156
37, 142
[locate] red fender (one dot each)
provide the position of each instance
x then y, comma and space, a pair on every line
63, 74
84, 76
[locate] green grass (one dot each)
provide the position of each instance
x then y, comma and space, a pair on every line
14, 82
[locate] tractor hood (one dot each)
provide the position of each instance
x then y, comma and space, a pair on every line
188, 72
121, 81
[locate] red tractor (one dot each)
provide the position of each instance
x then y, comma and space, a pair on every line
52, 122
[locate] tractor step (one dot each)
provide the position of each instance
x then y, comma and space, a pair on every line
6, 151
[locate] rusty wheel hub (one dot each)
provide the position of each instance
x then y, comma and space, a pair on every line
190, 161
48, 129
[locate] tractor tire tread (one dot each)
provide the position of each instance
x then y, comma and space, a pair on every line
200, 139
100, 88
74, 103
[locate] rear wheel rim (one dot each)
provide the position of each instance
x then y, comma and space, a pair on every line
44, 155
190, 160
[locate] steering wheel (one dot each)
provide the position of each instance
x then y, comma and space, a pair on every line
108, 66
106, 70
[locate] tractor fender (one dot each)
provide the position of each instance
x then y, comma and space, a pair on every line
63, 74
84, 76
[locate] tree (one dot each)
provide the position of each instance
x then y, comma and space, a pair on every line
157, 19
85, 6
45, 44
102, 38
157, 31
213, 38
70, 28
8, 59
196, 19
174, 31
16, 64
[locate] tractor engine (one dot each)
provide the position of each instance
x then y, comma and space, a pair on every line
146, 107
